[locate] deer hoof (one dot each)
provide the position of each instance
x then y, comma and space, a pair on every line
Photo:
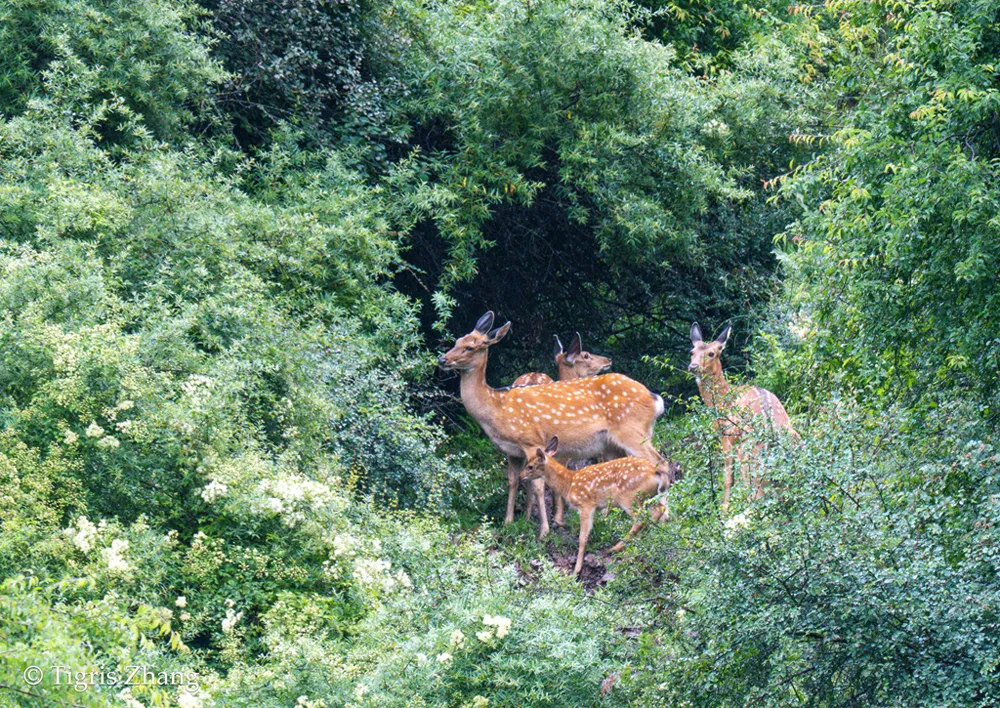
617, 547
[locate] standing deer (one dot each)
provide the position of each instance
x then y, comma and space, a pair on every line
620, 482
739, 408
573, 363
592, 416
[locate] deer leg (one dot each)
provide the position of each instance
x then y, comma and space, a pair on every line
529, 504
543, 514
586, 523
627, 506
514, 465
560, 506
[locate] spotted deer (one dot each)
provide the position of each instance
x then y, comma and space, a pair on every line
597, 415
740, 408
573, 363
621, 483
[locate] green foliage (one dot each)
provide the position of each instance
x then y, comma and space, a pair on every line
308, 62
216, 458
108, 62
891, 275
866, 576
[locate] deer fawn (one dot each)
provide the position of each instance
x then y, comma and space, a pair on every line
621, 482
738, 407
573, 363
602, 414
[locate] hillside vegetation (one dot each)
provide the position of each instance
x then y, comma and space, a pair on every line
235, 236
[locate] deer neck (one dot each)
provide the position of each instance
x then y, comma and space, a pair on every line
566, 372
712, 385
480, 400
559, 477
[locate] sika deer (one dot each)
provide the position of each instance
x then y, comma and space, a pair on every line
573, 363
621, 482
739, 408
603, 414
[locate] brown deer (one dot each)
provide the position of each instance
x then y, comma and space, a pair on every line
620, 482
739, 408
573, 363
601, 414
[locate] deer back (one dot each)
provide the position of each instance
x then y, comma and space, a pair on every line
576, 411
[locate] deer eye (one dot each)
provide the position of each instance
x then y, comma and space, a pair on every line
469, 349
711, 355
586, 356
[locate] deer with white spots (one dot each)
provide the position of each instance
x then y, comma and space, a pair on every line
621, 483
573, 363
741, 409
609, 414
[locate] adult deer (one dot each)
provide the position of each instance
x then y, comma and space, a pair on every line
592, 416
620, 482
741, 409
573, 363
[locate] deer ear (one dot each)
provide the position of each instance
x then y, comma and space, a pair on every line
539, 453
556, 346
499, 333
553, 445
575, 347
724, 337
696, 333
484, 323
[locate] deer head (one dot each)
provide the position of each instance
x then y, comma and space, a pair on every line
575, 363
470, 351
535, 468
705, 356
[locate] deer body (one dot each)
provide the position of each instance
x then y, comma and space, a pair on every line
621, 482
742, 410
572, 364
592, 416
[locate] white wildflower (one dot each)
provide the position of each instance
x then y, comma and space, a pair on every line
185, 616
681, 614
372, 573
480, 702
501, 623
359, 691
187, 700
113, 556
485, 636
70, 438
181, 601
345, 545
734, 524
84, 538
109, 442
457, 639
232, 618
214, 490
444, 658
94, 430
404, 580
421, 658
124, 426
126, 405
